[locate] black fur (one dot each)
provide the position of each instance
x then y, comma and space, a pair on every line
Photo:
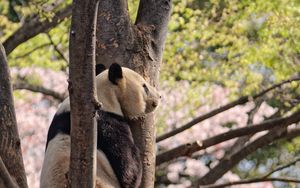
114, 139
99, 68
115, 73
60, 124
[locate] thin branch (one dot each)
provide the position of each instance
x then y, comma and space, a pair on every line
188, 149
254, 180
281, 167
39, 89
229, 161
5, 178
260, 142
34, 27
241, 100
240, 142
60, 53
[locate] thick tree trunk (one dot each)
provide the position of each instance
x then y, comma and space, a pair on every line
138, 46
5, 178
82, 94
10, 145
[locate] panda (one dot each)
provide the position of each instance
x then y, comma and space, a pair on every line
124, 95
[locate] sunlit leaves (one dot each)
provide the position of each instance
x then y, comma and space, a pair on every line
247, 42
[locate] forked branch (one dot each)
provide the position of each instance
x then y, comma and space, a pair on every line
241, 100
34, 27
188, 149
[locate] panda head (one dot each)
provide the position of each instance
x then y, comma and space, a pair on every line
124, 92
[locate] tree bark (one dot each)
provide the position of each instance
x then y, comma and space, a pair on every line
10, 145
82, 94
137, 46
5, 178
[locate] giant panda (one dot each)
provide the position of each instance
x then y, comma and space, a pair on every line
124, 95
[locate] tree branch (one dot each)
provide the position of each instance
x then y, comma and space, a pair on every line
228, 162
114, 34
134, 46
241, 141
188, 149
60, 53
10, 146
282, 167
241, 100
5, 178
154, 14
83, 94
254, 180
39, 89
34, 27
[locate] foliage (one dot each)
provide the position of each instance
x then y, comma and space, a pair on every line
242, 45
216, 51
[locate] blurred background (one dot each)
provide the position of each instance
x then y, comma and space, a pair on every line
216, 52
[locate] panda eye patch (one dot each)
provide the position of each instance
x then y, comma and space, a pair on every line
146, 88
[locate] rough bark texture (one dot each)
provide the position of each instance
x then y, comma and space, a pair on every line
82, 94
5, 178
10, 145
138, 46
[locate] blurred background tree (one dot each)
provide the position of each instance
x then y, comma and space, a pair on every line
216, 52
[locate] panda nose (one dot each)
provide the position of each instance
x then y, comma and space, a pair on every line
154, 104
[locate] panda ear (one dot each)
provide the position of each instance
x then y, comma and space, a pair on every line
115, 73
99, 68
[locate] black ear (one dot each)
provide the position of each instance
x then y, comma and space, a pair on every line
115, 73
99, 68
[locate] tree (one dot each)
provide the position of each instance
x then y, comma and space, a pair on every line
83, 94
230, 71
138, 46
11, 161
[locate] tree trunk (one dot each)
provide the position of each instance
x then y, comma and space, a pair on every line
137, 46
5, 178
82, 94
10, 145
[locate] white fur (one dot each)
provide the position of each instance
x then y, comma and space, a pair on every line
127, 99
56, 166
64, 106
